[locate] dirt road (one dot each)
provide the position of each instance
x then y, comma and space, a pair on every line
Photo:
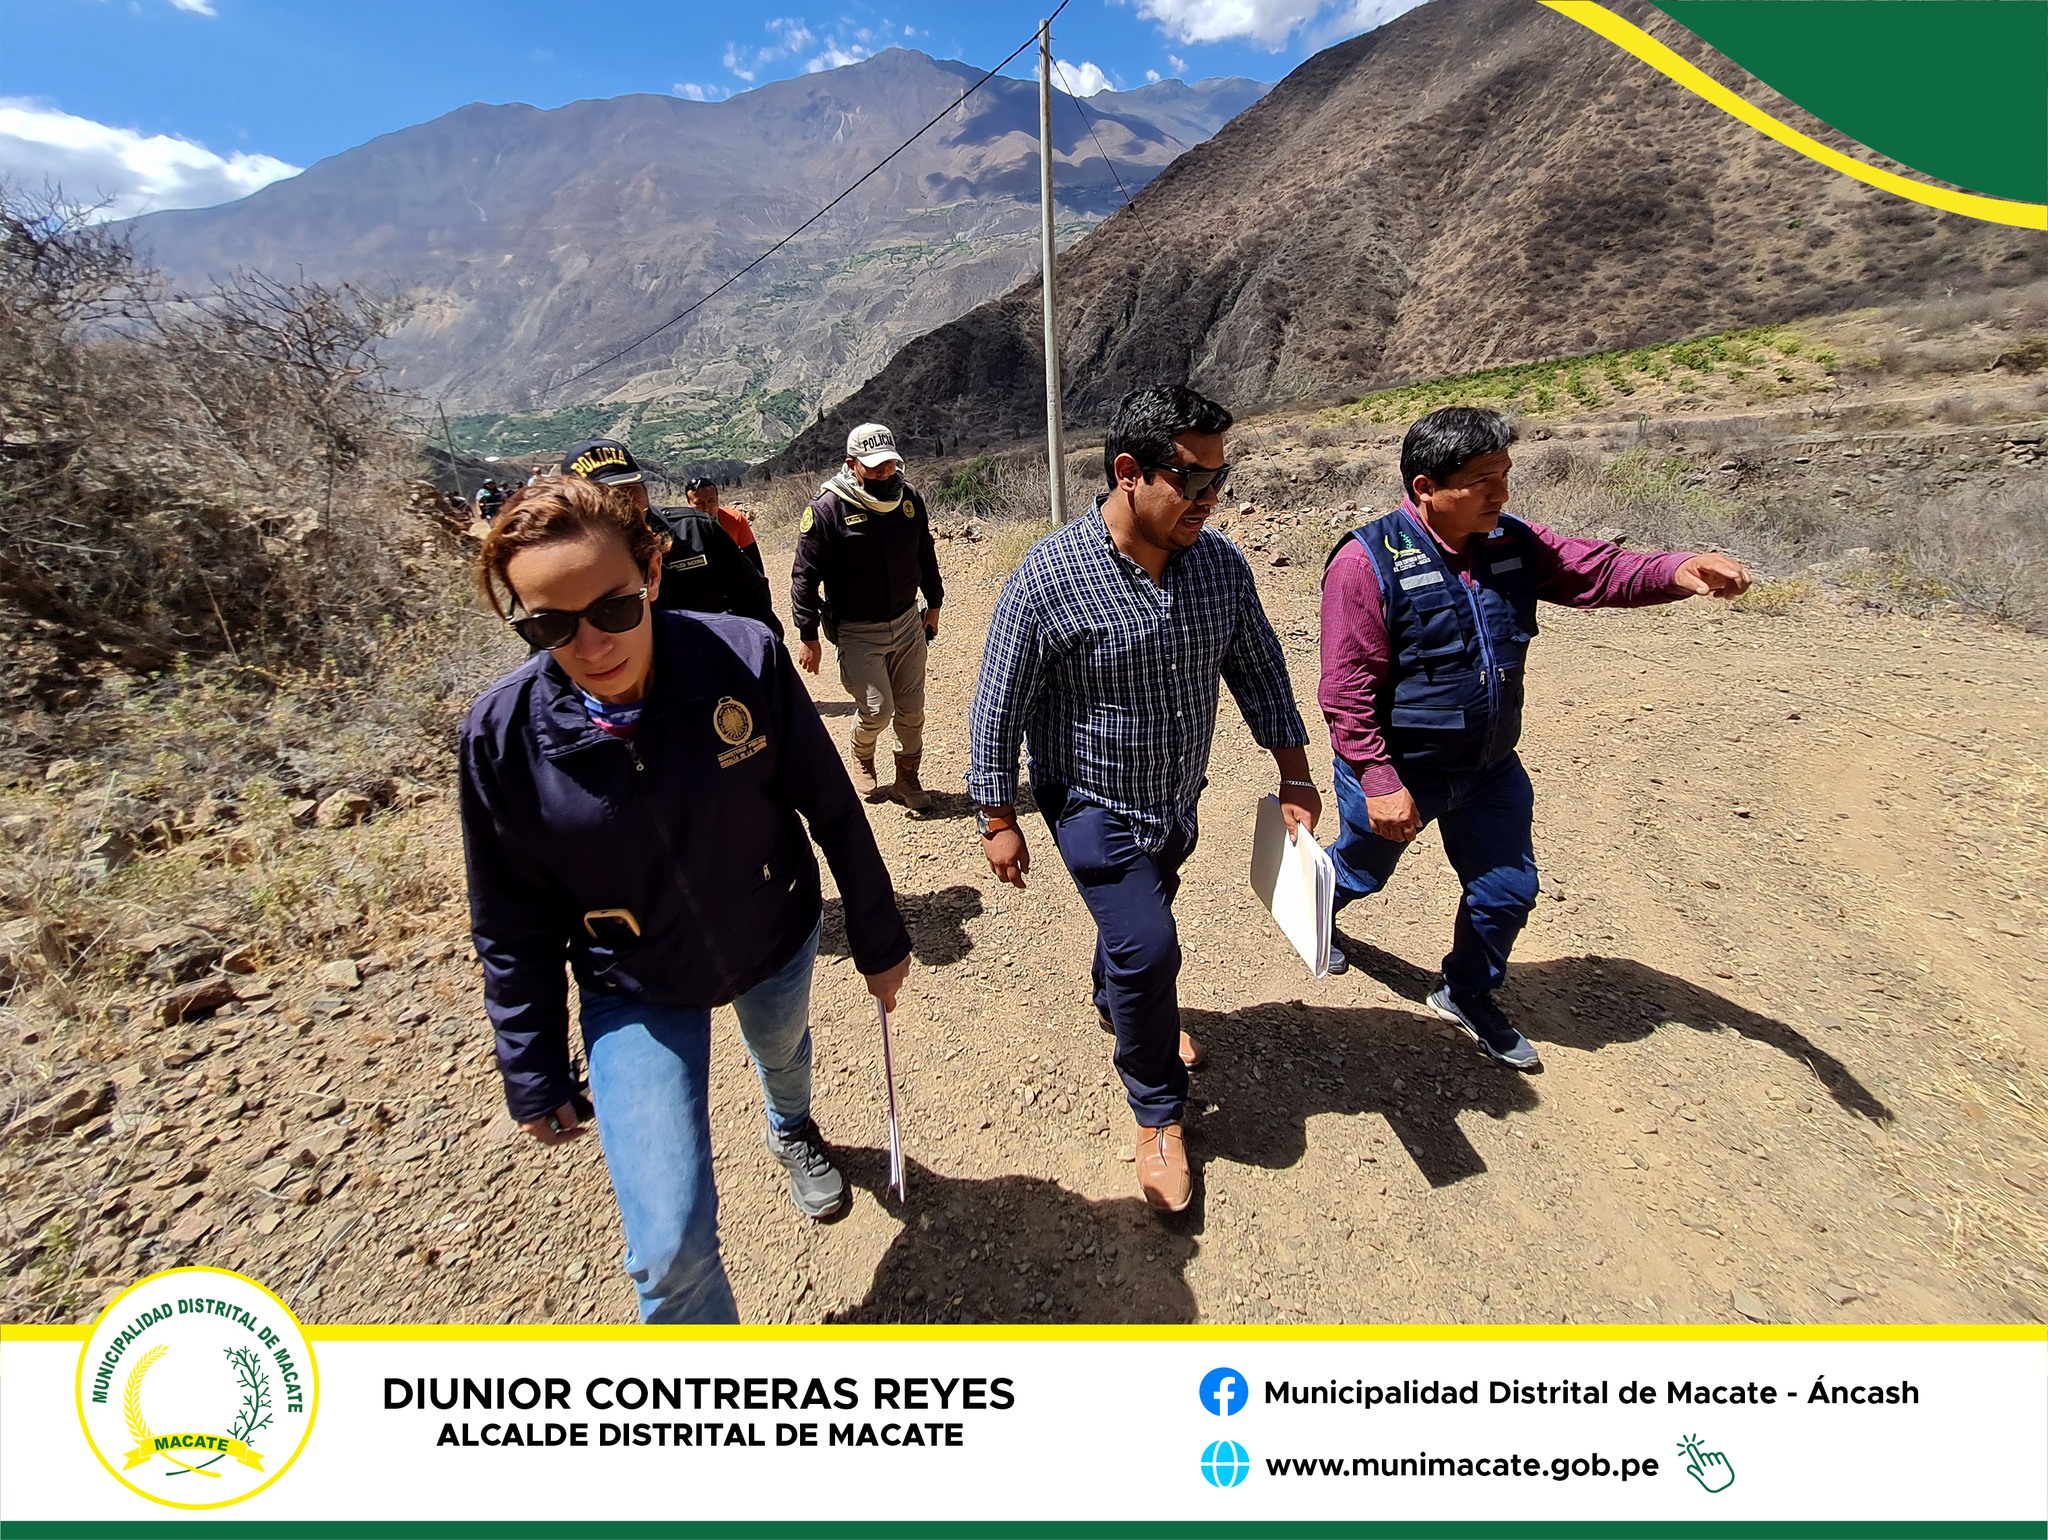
1788, 980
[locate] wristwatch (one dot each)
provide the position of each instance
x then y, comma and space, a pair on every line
995, 825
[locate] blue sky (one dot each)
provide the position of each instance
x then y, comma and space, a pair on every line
182, 103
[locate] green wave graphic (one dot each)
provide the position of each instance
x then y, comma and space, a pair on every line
1955, 89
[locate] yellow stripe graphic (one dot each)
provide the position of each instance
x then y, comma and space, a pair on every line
1632, 39
935, 1335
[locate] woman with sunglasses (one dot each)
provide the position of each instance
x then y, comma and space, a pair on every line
630, 803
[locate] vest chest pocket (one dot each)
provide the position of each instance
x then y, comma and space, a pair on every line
1435, 638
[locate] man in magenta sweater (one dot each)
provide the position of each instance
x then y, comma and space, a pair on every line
1428, 614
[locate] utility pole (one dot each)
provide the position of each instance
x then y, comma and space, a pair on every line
1055, 432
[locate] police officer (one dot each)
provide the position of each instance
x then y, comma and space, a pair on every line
701, 492
1428, 614
703, 570
867, 543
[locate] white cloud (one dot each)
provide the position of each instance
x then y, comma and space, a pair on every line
196, 7
1180, 65
837, 57
736, 64
696, 93
1153, 77
791, 36
1268, 23
136, 172
1083, 79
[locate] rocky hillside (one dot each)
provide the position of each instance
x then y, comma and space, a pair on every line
538, 241
1478, 182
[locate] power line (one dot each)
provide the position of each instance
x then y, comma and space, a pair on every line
1085, 123
702, 300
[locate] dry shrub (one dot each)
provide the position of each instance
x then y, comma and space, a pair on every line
202, 475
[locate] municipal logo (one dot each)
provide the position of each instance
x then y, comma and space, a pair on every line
1225, 1464
1222, 1392
197, 1388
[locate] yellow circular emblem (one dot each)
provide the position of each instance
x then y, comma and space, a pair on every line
804, 524
197, 1388
732, 721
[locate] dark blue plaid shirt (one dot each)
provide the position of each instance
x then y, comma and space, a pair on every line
1113, 677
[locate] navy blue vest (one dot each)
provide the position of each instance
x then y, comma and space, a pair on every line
1452, 703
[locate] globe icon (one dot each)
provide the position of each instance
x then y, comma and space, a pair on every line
1225, 1464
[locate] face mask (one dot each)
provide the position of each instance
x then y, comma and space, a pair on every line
888, 489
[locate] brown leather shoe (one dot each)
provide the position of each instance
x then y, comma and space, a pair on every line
907, 790
1163, 1173
865, 781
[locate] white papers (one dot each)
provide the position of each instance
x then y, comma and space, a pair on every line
1296, 882
897, 1184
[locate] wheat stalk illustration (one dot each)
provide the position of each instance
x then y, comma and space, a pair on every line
131, 1403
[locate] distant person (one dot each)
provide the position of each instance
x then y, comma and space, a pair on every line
1106, 653
631, 798
1428, 613
703, 570
701, 492
490, 498
863, 551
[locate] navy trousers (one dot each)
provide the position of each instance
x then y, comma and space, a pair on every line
1488, 818
1137, 947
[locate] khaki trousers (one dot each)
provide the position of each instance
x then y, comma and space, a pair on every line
882, 667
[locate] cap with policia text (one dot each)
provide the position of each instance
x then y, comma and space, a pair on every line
871, 444
603, 460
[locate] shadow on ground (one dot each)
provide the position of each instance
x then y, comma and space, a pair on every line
1018, 1248
1591, 1002
1273, 1067
937, 923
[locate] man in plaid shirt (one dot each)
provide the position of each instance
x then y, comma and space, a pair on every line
1105, 652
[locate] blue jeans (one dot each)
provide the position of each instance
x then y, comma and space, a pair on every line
649, 1067
1137, 946
1488, 818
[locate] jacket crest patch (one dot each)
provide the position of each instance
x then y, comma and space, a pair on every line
732, 721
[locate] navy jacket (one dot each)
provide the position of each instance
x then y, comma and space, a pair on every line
705, 570
871, 565
692, 826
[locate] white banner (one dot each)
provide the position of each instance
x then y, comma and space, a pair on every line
809, 1426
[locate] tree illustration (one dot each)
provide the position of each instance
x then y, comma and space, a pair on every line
255, 1412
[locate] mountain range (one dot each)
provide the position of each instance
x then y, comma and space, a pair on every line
1477, 182
535, 242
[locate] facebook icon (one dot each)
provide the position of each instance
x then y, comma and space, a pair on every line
1222, 1392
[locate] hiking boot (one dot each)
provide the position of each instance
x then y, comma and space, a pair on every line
1487, 1025
907, 790
865, 781
1339, 963
1163, 1173
815, 1185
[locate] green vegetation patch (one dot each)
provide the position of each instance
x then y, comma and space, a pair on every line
1590, 381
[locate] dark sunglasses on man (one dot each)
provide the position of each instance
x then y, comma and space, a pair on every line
1195, 480
549, 629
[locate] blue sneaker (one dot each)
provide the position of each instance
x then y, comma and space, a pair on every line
1487, 1025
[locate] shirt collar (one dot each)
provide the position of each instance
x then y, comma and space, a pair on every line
1408, 507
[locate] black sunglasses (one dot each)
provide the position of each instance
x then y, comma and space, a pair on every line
549, 629
1195, 479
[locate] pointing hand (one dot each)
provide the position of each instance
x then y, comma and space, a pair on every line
1710, 1470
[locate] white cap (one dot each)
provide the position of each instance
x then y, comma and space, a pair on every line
871, 444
